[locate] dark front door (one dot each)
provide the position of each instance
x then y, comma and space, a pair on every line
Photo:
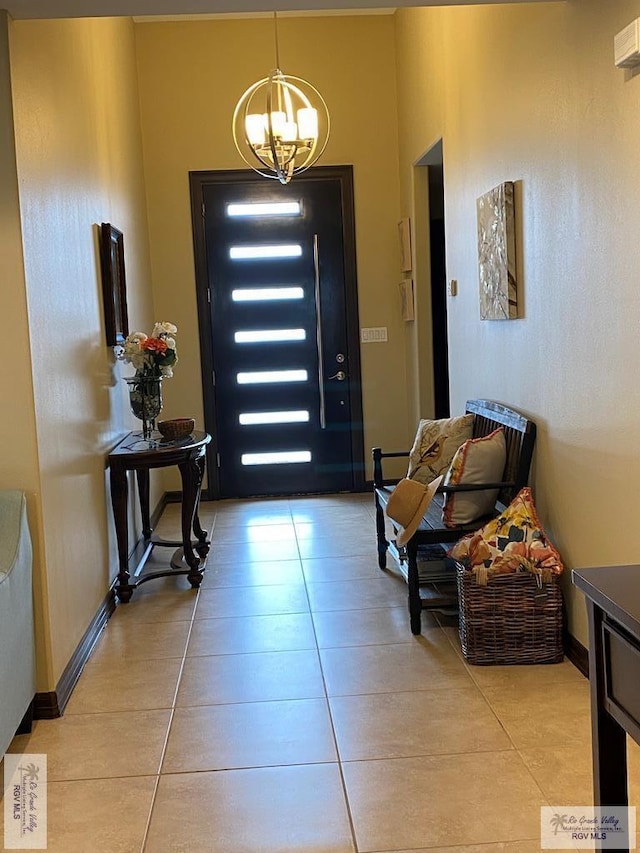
280, 332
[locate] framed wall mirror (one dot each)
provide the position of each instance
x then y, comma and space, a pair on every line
114, 288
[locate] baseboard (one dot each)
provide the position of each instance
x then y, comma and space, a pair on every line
45, 706
577, 654
49, 705
52, 704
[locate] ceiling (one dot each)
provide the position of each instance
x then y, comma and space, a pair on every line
21, 9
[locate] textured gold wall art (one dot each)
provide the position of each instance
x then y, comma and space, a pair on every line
497, 254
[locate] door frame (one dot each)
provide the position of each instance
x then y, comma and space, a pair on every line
198, 180
431, 284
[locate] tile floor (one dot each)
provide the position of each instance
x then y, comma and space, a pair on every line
286, 708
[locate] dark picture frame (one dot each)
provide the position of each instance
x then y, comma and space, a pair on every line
114, 287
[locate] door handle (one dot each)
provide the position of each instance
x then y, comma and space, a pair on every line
340, 376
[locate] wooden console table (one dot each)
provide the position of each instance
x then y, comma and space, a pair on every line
134, 454
613, 604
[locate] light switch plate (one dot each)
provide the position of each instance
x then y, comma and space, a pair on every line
372, 335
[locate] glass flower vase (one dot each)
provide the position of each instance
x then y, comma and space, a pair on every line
145, 399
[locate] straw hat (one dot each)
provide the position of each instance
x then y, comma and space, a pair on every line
408, 503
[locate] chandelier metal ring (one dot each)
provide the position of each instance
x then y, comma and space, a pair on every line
281, 126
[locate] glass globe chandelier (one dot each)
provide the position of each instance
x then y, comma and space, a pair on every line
280, 124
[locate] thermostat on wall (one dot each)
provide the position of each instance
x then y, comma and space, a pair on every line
626, 46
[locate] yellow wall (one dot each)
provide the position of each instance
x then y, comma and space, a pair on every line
19, 464
191, 75
529, 93
79, 164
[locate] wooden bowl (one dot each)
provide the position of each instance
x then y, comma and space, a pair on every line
176, 428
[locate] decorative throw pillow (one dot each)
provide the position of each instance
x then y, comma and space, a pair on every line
512, 542
435, 445
478, 460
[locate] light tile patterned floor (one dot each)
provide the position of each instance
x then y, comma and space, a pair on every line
286, 708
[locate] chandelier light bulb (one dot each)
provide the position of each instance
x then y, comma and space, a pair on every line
255, 128
289, 131
308, 123
278, 121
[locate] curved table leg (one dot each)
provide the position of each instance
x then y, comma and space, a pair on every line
142, 476
191, 472
202, 546
118, 481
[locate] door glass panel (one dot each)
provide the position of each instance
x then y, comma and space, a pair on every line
249, 253
281, 458
269, 336
293, 417
264, 294
273, 208
262, 376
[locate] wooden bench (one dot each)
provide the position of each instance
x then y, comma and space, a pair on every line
520, 434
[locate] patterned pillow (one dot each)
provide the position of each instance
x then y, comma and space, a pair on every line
513, 542
435, 445
478, 460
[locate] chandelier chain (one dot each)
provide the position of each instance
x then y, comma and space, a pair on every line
275, 29
281, 123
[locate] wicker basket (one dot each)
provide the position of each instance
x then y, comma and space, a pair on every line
511, 620
176, 429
